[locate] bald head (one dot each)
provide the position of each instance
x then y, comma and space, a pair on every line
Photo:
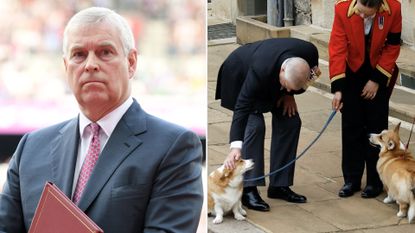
296, 72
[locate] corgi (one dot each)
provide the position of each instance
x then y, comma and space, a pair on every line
396, 168
225, 190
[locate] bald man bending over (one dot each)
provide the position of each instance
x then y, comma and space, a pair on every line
263, 77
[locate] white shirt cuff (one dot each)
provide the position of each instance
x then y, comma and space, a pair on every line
236, 144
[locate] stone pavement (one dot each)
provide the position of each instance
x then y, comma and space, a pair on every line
221, 31
318, 174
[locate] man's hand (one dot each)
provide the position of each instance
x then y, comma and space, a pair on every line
233, 156
315, 72
289, 105
336, 103
370, 90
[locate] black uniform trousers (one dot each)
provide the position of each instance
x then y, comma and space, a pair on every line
361, 117
284, 142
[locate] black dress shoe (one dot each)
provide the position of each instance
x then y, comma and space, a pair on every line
252, 199
285, 193
348, 190
372, 191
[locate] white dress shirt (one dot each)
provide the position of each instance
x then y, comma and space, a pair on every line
236, 144
368, 21
107, 124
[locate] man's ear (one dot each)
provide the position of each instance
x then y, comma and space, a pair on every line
65, 63
132, 62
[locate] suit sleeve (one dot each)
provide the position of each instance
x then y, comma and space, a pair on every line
177, 196
390, 52
337, 52
244, 106
11, 215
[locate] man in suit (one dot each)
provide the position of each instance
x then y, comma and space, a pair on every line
262, 77
364, 46
147, 173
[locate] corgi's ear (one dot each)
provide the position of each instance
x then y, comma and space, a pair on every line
396, 130
391, 145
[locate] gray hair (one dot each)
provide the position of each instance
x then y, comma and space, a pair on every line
297, 72
96, 15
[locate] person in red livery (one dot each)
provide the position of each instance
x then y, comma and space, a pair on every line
363, 48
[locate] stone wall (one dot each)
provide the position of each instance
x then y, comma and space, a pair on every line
302, 12
225, 9
322, 13
229, 10
408, 21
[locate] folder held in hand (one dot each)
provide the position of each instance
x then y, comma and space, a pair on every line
57, 213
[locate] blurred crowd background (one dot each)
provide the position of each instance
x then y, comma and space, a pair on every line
170, 81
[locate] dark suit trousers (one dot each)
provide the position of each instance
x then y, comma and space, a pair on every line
361, 117
284, 141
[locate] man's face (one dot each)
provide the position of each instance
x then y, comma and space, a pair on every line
364, 11
285, 83
97, 69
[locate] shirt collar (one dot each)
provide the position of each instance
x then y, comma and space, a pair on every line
109, 121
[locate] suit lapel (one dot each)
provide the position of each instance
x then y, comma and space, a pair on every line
120, 144
64, 155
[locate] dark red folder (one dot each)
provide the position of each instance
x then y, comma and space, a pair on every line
57, 213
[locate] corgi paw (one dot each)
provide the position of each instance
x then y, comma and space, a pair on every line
388, 200
242, 211
218, 219
239, 217
401, 214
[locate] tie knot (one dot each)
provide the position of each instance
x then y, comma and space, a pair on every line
94, 128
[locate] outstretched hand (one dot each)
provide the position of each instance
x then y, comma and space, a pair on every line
233, 156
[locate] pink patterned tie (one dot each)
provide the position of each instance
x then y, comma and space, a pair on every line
89, 163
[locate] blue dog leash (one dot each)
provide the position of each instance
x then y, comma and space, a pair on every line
302, 153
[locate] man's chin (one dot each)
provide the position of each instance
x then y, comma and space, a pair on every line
95, 99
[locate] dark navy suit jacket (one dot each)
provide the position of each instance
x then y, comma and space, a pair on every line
147, 178
248, 80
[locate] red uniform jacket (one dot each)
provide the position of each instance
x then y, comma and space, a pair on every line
347, 41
